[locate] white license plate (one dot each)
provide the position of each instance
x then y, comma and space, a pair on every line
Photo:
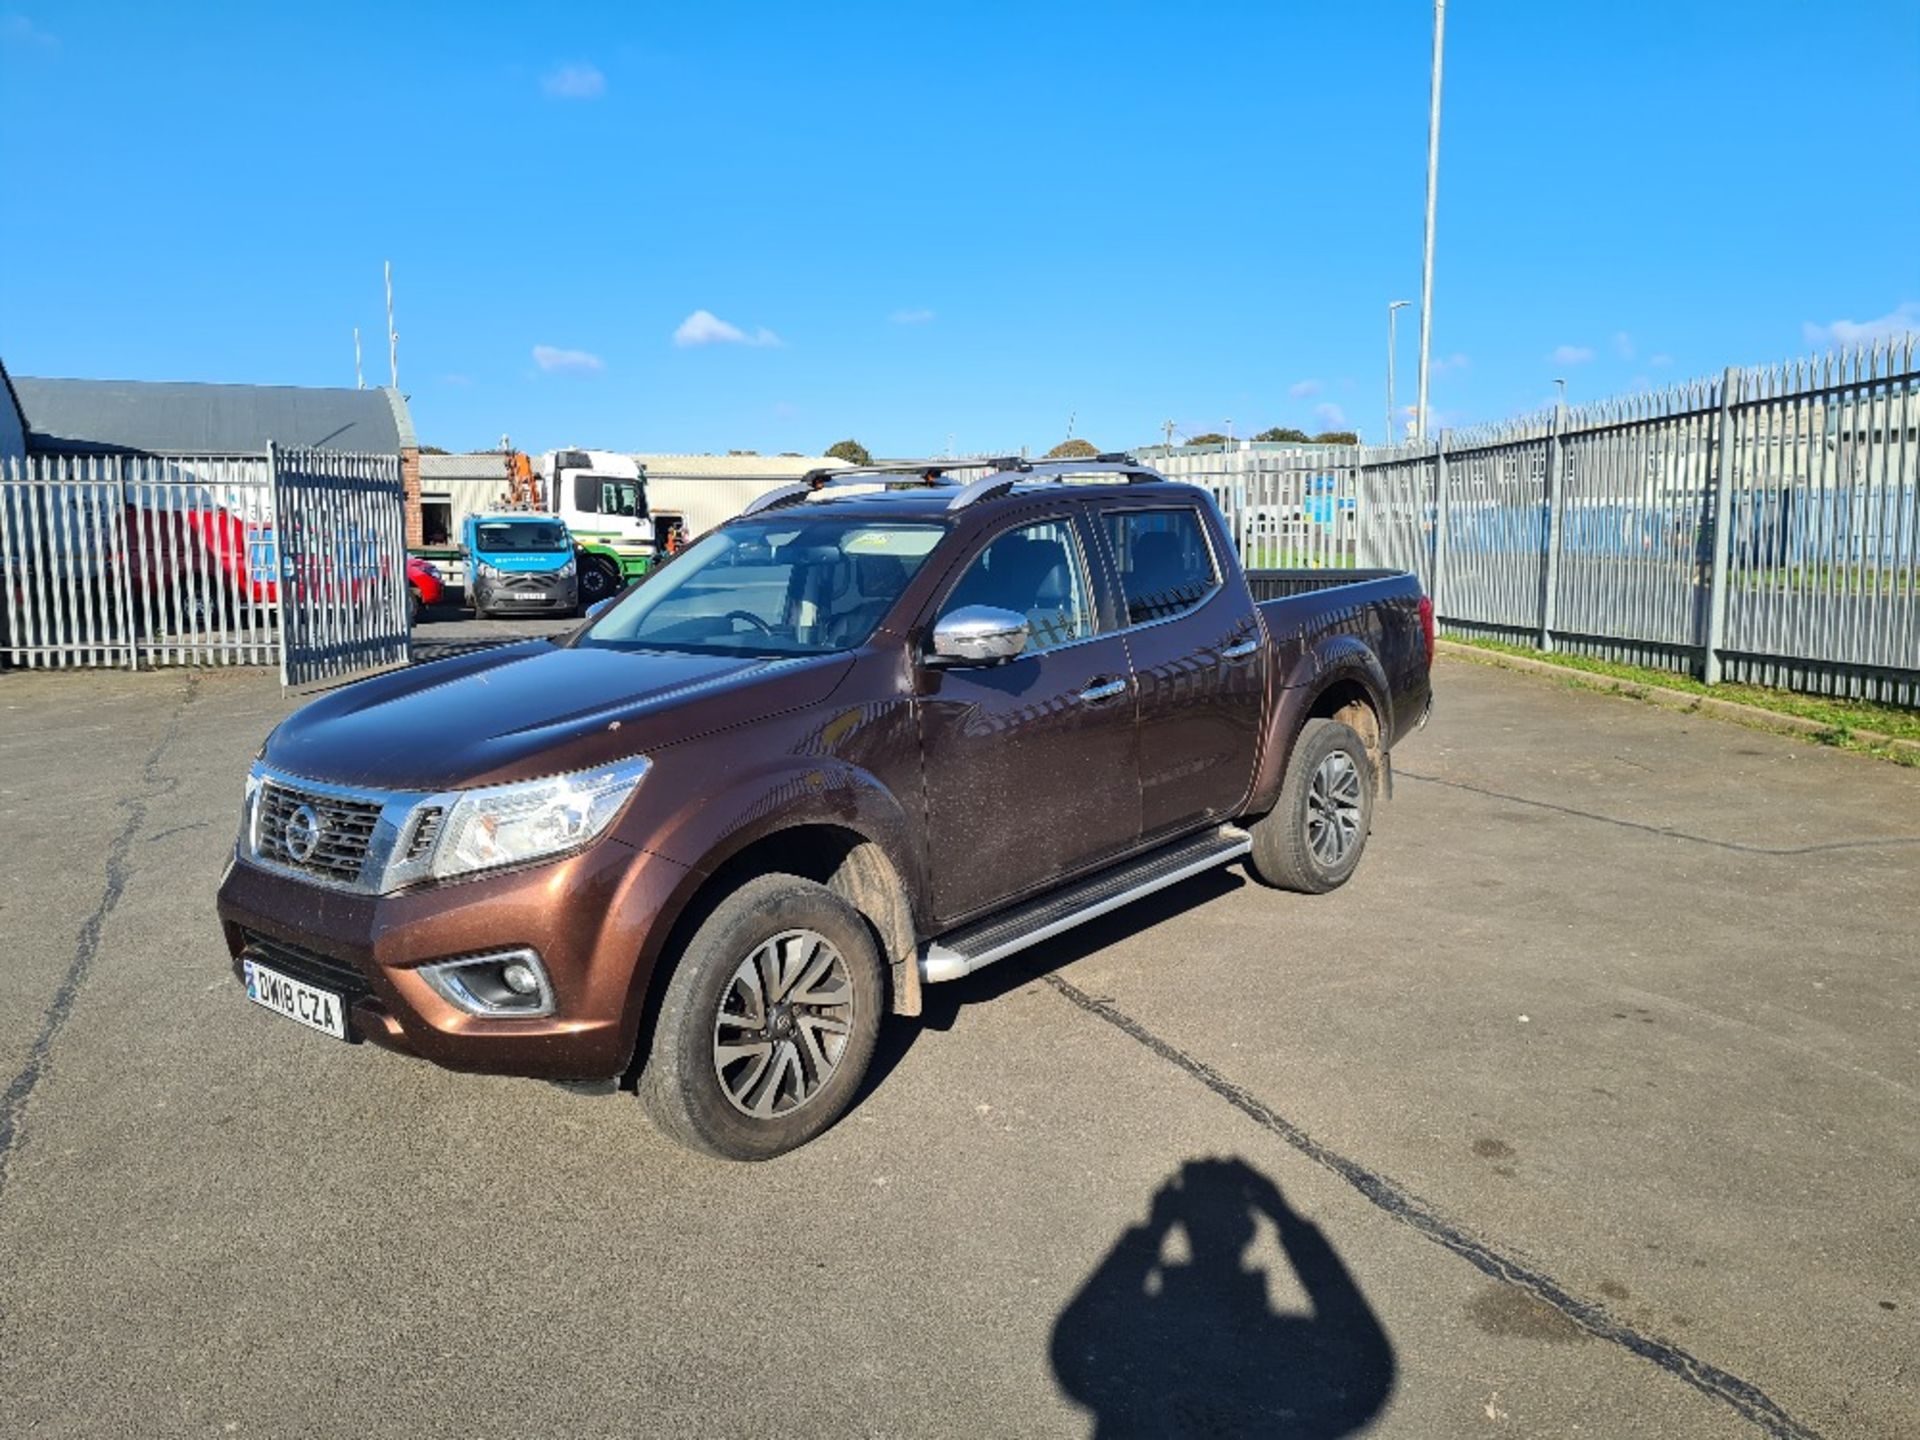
528, 595
305, 1004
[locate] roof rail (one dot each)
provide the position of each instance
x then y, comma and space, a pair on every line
1004, 472
906, 473
1116, 462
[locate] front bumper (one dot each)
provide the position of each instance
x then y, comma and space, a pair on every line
594, 918
504, 597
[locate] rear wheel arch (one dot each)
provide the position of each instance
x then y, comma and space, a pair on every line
1351, 700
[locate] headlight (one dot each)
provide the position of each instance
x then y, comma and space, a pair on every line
511, 824
568, 568
431, 568
489, 572
249, 801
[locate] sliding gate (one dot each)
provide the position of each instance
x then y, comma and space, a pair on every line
343, 563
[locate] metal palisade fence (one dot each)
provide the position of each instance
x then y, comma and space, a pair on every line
1763, 526
295, 559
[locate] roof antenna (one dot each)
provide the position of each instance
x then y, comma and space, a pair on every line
358, 382
393, 335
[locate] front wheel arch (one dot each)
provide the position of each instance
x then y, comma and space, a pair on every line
851, 865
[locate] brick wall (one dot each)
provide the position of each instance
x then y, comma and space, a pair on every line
410, 486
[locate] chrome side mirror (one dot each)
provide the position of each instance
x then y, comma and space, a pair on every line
600, 607
979, 635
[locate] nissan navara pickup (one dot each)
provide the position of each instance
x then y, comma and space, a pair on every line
883, 728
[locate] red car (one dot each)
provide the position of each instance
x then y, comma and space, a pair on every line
425, 586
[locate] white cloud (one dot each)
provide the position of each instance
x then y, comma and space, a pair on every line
1900, 320
785, 410
703, 327
1571, 355
574, 82
459, 382
1330, 413
556, 361
1660, 360
17, 29
910, 317
1623, 345
1300, 389
1446, 364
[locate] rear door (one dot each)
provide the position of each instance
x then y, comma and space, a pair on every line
1198, 659
1031, 766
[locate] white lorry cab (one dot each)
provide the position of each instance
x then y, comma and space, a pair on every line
602, 497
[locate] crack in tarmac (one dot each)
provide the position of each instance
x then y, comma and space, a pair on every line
1743, 1396
1734, 845
19, 1091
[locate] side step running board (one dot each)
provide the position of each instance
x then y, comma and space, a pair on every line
961, 952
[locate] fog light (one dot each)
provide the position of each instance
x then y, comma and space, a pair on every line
509, 983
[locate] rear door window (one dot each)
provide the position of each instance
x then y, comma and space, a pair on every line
1166, 565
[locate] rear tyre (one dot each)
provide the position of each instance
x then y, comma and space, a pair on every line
416, 607
767, 1024
1312, 840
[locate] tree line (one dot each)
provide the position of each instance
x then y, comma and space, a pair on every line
854, 453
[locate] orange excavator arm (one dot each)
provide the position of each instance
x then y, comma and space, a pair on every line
522, 492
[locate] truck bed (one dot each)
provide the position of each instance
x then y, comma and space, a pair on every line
1283, 584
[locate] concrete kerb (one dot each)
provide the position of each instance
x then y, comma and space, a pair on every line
1752, 716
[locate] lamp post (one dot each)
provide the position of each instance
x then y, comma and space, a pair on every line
1394, 307
1433, 184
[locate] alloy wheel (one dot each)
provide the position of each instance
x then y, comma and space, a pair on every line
783, 1025
1333, 809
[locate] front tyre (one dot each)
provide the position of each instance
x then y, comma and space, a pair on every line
598, 581
1312, 840
768, 1023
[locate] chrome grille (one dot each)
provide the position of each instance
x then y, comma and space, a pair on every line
346, 831
535, 580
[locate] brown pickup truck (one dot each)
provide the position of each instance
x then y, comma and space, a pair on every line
882, 729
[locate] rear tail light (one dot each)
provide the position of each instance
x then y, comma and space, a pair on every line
1426, 626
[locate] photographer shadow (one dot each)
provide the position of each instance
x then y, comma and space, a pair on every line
1154, 1345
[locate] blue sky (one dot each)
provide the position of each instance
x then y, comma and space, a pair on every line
692, 227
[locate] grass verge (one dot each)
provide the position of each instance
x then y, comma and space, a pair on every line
1858, 725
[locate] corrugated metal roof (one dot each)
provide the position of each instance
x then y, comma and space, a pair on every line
478, 465
734, 467
187, 418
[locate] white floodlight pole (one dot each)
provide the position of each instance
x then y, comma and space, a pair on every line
1433, 183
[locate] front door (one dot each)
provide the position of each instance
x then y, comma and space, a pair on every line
1031, 766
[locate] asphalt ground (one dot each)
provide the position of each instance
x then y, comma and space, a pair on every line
1587, 1108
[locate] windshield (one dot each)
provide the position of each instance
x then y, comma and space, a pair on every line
783, 587
525, 535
